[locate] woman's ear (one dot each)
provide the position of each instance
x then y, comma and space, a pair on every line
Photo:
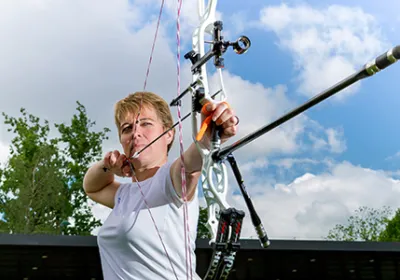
170, 136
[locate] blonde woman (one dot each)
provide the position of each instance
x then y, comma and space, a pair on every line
130, 238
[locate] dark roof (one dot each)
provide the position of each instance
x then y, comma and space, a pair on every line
76, 257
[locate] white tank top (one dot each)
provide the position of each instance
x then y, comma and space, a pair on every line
129, 245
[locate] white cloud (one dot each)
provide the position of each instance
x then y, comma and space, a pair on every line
4, 153
257, 106
392, 157
189, 17
327, 44
49, 59
335, 140
290, 162
260, 163
393, 173
313, 204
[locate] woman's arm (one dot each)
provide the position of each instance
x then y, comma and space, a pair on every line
224, 117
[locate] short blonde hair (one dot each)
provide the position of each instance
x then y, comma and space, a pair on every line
131, 104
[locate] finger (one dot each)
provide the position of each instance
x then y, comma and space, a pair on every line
225, 118
210, 106
229, 132
106, 160
122, 160
114, 157
219, 111
232, 121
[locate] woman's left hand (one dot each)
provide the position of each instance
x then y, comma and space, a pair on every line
223, 116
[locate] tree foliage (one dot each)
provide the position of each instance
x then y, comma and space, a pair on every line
83, 146
41, 184
365, 225
202, 230
392, 230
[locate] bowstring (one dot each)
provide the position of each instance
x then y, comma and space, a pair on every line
153, 46
134, 132
183, 171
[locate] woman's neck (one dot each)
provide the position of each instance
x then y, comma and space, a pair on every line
145, 172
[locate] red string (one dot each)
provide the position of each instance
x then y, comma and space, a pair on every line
153, 46
135, 127
183, 172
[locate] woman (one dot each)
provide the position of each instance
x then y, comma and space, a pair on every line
136, 243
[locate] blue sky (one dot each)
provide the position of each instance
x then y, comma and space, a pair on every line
305, 176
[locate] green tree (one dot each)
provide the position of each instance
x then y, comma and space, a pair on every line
41, 184
83, 147
365, 225
33, 196
202, 230
392, 230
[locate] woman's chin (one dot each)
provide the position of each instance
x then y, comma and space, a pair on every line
141, 160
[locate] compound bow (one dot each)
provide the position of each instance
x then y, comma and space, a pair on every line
225, 222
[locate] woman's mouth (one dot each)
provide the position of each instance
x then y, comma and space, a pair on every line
136, 148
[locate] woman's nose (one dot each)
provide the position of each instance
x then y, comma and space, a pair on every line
136, 132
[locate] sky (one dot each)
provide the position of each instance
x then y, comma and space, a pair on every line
304, 176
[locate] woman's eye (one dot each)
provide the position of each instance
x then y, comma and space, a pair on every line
126, 129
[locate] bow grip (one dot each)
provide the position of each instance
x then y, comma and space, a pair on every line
215, 130
215, 134
208, 122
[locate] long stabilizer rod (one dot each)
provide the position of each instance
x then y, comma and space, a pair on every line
379, 63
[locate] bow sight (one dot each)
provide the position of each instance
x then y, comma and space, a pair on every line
218, 48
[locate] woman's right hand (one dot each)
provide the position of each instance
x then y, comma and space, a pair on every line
118, 164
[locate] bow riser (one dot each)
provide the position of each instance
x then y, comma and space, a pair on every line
214, 175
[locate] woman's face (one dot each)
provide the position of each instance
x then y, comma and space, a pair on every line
148, 128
